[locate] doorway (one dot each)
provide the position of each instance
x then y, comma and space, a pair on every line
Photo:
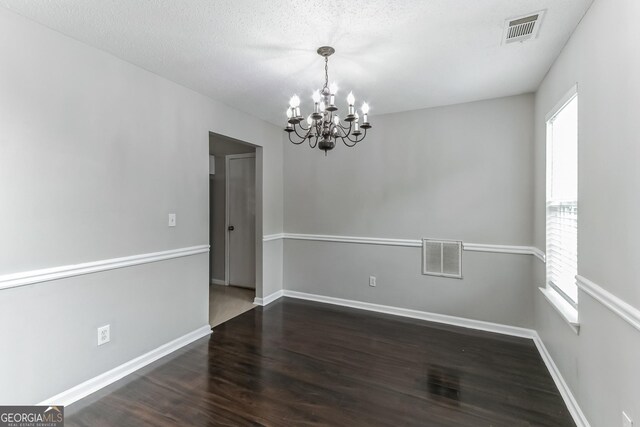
232, 215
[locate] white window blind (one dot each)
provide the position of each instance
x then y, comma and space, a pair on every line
562, 200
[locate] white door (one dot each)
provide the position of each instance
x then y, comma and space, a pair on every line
241, 220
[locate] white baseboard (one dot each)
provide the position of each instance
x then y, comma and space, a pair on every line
218, 282
269, 298
94, 384
572, 405
416, 314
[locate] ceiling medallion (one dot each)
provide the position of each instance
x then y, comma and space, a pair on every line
324, 126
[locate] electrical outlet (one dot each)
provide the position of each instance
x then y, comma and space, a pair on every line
626, 420
372, 281
104, 334
172, 220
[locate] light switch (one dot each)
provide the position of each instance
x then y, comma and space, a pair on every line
172, 220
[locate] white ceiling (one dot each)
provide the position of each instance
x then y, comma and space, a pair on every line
254, 54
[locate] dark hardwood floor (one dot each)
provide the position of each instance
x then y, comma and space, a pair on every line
302, 363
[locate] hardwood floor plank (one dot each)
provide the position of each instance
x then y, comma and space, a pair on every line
305, 363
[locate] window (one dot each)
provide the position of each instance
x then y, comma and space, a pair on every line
562, 199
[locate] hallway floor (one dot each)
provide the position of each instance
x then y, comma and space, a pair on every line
227, 302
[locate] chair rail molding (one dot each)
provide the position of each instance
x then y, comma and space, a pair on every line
623, 309
409, 243
14, 280
271, 237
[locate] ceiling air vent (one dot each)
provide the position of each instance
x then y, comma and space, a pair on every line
522, 28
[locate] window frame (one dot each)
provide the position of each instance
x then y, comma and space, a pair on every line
553, 293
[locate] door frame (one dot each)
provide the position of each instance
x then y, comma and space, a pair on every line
227, 159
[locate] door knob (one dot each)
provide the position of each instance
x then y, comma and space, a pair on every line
231, 228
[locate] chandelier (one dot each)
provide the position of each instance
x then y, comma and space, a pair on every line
324, 126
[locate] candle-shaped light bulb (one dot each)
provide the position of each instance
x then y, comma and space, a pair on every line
357, 118
289, 113
365, 112
336, 120
333, 88
351, 99
294, 102
322, 106
309, 120
316, 96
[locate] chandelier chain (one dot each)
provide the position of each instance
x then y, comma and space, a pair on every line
326, 72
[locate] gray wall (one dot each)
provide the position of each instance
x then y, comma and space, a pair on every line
461, 172
458, 172
601, 363
220, 147
94, 153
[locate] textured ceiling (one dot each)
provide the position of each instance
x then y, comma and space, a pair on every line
254, 54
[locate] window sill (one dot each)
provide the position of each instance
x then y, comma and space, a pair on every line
566, 310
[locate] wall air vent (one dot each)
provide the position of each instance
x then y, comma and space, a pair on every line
522, 28
442, 258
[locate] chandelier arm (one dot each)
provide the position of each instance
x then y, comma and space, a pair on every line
356, 140
347, 130
348, 139
300, 136
296, 143
344, 128
313, 144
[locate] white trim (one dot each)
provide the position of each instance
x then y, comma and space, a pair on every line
350, 239
566, 98
505, 249
623, 309
270, 237
538, 253
47, 274
94, 384
500, 249
269, 298
218, 282
409, 243
572, 405
568, 313
416, 314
